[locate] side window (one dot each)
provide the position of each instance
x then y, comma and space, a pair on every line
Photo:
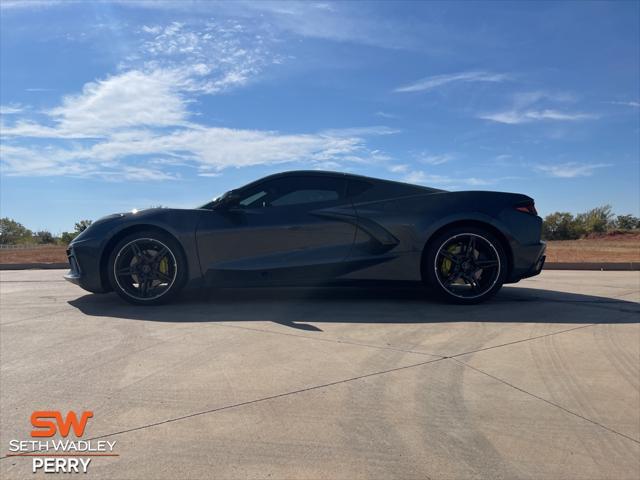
305, 196
253, 199
298, 190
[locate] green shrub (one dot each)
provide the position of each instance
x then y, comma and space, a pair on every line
627, 222
12, 232
561, 226
597, 220
44, 237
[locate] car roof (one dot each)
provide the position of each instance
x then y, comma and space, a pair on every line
327, 173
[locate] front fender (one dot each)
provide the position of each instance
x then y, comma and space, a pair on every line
92, 249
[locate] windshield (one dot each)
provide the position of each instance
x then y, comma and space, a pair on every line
212, 204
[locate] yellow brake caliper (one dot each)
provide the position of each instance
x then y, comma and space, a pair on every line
445, 267
164, 265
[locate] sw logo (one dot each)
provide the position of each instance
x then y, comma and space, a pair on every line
41, 420
49, 422
60, 455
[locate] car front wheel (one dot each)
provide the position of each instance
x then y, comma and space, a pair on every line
147, 268
466, 265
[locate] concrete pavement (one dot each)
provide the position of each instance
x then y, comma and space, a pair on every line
541, 382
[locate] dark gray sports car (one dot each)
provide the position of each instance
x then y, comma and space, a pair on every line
311, 227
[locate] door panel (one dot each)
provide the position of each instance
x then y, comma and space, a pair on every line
272, 238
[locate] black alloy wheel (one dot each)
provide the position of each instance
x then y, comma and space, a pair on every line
466, 265
147, 268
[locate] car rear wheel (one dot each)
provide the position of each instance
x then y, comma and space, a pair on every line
465, 265
147, 268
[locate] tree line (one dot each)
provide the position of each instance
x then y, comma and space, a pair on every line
565, 226
14, 233
555, 226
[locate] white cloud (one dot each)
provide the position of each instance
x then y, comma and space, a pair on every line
42, 161
356, 131
208, 149
430, 159
23, 4
11, 109
571, 169
26, 128
429, 83
215, 57
421, 177
154, 30
514, 117
128, 100
328, 165
387, 115
142, 174
335, 21
401, 168
533, 106
525, 99
628, 104
131, 99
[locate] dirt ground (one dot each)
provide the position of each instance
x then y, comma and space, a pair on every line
40, 254
608, 248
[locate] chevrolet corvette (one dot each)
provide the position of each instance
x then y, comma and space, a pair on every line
311, 227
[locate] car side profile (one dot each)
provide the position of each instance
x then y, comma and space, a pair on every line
311, 227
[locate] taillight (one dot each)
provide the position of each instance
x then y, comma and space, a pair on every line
528, 207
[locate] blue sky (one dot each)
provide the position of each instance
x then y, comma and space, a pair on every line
110, 106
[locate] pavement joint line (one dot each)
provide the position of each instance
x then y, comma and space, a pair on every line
600, 303
590, 303
405, 350
531, 338
254, 401
331, 340
564, 409
33, 318
524, 340
32, 281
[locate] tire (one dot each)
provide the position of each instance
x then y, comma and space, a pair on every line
136, 273
465, 265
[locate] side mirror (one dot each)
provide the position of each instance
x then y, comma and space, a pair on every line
231, 200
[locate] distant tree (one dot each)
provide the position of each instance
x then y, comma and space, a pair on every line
627, 222
44, 237
79, 227
561, 226
12, 232
597, 220
67, 237
82, 225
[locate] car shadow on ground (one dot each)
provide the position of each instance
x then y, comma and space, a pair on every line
305, 308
